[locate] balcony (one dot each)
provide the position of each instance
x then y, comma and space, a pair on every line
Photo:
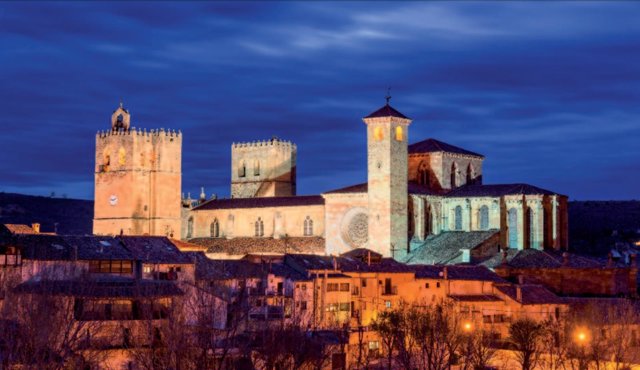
390, 290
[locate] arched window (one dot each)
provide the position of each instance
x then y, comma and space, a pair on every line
470, 174
256, 168
378, 135
423, 174
308, 226
259, 226
190, 227
512, 227
215, 229
458, 218
242, 170
454, 173
399, 134
484, 218
428, 221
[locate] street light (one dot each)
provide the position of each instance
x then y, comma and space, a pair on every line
467, 327
582, 336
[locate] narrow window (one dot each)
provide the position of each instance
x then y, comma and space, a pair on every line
470, 174
215, 229
242, 170
512, 227
256, 168
259, 227
308, 226
454, 173
458, 218
399, 134
484, 218
190, 227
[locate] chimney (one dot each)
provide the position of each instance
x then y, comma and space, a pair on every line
368, 258
335, 264
504, 256
36, 227
518, 293
445, 273
565, 259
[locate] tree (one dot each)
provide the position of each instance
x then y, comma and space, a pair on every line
525, 336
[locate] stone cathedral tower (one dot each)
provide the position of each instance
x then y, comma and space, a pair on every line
387, 133
138, 179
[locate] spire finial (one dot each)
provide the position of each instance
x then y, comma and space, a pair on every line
388, 97
120, 102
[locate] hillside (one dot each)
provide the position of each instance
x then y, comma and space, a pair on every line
73, 216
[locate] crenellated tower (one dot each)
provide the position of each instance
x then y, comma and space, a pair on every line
263, 169
387, 169
138, 179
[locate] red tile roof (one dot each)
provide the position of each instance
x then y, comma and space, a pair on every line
19, 229
243, 246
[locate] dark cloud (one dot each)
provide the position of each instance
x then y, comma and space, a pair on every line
547, 92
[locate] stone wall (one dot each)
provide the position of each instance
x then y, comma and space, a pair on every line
138, 178
346, 220
241, 222
439, 166
263, 169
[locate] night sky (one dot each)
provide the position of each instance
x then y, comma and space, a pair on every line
548, 92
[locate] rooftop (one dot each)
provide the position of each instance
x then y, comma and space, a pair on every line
497, 190
114, 288
386, 111
530, 294
433, 145
447, 246
246, 245
295, 201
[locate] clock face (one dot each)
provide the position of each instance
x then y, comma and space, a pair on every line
113, 200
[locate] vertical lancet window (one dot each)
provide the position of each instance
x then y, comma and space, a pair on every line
242, 170
308, 226
215, 229
190, 227
399, 134
458, 218
259, 227
484, 218
256, 168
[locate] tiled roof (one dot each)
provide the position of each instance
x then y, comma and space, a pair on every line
456, 272
530, 294
19, 229
150, 249
534, 258
497, 190
115, 288
210, 269
344, 263
412, 188
295, 201
386, 111
475, 298
446, 247
243, 246
433, 145
154, 249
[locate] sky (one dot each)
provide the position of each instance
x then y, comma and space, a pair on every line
548, 92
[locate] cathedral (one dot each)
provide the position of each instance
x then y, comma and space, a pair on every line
422, 203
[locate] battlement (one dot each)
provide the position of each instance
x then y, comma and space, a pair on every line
274, 142
139, 132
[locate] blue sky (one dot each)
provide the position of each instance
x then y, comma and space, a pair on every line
549, 92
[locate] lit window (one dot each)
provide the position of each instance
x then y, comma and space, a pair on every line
378, 135
399, 134
387, 304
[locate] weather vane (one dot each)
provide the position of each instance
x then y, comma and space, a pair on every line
120, 102
388, 97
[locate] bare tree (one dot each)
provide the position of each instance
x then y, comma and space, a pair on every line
526, 337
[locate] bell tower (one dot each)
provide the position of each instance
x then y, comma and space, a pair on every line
138, 180
387, 169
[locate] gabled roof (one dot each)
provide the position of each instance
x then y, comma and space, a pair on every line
497, 190
446, 247
534, 258
475, 298
19, 229
300, 200
433, 145
386, 111
154, 249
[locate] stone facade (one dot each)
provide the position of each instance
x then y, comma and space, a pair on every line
445, 171
263, 169
137, 180
387, 171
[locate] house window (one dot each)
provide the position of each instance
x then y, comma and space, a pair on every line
363, 282
215, 229
308, 226
458, 218
333, 287
438, 284
344, 287
426, 285
190, 227
259, 226
484, 218
387, 304
303, 305
399, 134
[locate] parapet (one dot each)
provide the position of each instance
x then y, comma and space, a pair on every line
139, 132
273, 142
